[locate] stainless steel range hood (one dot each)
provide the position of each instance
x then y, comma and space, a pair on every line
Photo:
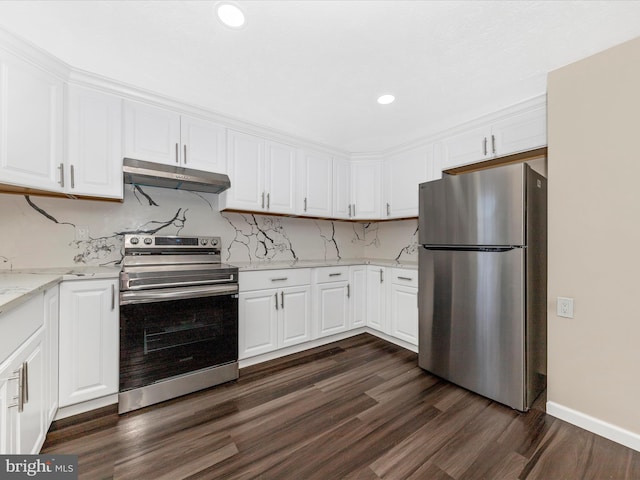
152, 174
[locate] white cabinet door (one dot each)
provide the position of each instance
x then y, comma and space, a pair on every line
258, 322
358, 295
316, 181
294, 323
31, 125
94, 144
402, 175
280, 182
203, 145
151, 134
89, 339
522, 132
23, 431
31, 421
366, 188
341, 188
376, 298
404, 313
473, 145
246, 172
51, 325
332, 313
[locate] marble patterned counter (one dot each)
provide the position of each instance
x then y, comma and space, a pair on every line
17, 286
277, 265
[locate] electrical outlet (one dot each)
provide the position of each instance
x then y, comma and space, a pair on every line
82, 233
565, 307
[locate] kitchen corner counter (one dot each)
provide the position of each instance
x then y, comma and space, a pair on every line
17, 286
278, 265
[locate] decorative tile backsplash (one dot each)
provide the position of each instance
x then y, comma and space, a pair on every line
41, 231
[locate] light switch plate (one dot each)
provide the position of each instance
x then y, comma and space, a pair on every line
565, 307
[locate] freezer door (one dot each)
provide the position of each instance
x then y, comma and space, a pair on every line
471, 320
477, 208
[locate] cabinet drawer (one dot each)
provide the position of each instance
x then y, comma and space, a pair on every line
264, 279
403, 276
332, 274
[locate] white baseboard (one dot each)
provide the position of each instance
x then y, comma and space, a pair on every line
595, 425
78, 408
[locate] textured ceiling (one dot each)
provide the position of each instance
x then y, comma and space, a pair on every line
315, 68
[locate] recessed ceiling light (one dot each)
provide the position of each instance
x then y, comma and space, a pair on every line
386, 99
230, 15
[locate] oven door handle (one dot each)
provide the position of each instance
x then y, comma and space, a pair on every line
144, 283
167, 294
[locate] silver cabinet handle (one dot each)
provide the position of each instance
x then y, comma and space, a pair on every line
388, 209
177, 153
113, 297
335, 274
276, 295
61, 168
348, 290
405, 278
25, 382
262, 199
484, 146
279, 279
354, 209
268, 201
349, 210
73, 177
493, 143
20, 398
381, 276
281, 300
185, 155
305, 204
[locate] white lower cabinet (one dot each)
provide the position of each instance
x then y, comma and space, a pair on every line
274, 310
89, 340
358, 295
331, 299
376, 298
403, 310
24, 377
52, 328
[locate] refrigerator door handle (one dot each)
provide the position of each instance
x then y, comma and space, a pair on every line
461, 248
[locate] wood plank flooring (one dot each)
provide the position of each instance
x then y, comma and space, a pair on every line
358, 409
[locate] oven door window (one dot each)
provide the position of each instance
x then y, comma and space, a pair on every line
161, 340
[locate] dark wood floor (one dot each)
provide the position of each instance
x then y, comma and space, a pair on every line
360, 408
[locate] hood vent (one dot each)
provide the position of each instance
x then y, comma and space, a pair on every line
152, 174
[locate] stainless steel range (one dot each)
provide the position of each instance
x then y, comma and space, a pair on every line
178, 318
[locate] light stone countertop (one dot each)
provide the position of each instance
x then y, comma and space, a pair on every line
279, 264
17, 286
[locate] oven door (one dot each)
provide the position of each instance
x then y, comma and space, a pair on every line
170, 332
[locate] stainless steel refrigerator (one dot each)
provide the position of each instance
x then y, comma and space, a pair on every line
482, 282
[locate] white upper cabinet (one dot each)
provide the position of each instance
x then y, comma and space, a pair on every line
366, 189
341, 188
31, 125
93, 164
162, 136
316, 184
262, 174
517, 132
203, 145
402, 175
280, 178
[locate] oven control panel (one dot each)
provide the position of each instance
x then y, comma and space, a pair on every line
157, 243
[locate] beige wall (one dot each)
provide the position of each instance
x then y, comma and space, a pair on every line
594, 235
